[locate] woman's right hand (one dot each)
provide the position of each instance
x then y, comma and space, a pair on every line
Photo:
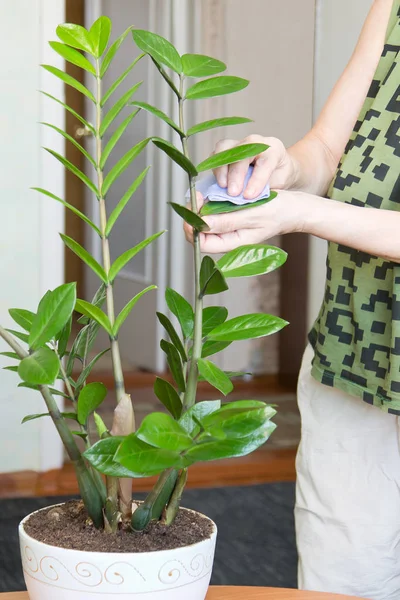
274, 166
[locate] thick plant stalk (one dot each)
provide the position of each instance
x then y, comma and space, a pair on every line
156, 501
123, 425
173, 506
89, 491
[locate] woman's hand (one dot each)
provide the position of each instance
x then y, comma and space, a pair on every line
274, 166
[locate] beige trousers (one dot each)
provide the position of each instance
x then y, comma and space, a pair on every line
347, 494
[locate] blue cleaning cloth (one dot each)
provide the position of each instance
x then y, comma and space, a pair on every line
211, 191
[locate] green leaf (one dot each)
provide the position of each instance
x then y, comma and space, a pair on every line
176, 155
95, 313
66, 415
216, 86
122, 165
85, 256
199, 65
69, 80
158, 48
101, 457
162, 431
54, 312
99, 34
211, 279
13, 368
115, 138
247, 327
77, 212
213, 316
10, 355
175, 339
111, 52
98, 300
190, 217
87, 370
75, 36
183, 311
18, 334
39, 368
214, 376
223, 122
210, 348
167, 394
23, 318
128, 307
124, 200
74, 170
227, 157
161, 115
100, 425
217, 208
254, 259
73, 56
116, 109
73, 141
145, 460
63, 338
190, 420
91, 396
174, 363
80, 434
118, 81
238, 422
124, 258
72, 111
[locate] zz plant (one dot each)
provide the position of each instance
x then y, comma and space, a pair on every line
166, 443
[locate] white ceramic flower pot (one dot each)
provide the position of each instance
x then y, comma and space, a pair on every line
56, 573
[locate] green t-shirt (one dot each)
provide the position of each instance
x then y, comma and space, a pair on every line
356, 337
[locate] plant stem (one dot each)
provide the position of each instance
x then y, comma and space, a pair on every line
173, 506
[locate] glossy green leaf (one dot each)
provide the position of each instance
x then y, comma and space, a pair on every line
100, 425
22, 317
211, 279
95, 313
210, 348
87, 370
145, 460
39, 368
98, 300
53, 313
77, 212
214, 376
175, 339
217, 208
183, 311
190, 420
127, 256
99, 34
111, 52
222, 122
122, 165
128, 307
63, 338
247, 327
10, 355
162, 431
75, 36
124, 201
73, 56
216, 86
90, 397
233, 422
74, 170
114, 139
101, 457
18, 334
158, 48
73, 141
169, 397
159, 114
69, 80
199, 65
80, 434
213, 316
85, 256
174, 363
254, 259
116, 109
176, 155
190, 217
227, 157
72, 111
13, 368
82, 345
66, 415
119, 80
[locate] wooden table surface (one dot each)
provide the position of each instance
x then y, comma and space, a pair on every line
238, 593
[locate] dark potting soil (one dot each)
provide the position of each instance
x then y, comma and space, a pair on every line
68, 526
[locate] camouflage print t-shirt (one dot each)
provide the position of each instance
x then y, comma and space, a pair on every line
356, 337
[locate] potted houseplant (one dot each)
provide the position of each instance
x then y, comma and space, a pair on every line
106, 543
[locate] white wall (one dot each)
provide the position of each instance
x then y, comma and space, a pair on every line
31, 255
338, 25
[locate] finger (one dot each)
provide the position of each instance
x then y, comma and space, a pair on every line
218, 244
188, 229
264, 165
229, 222
221, 174
236, 175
